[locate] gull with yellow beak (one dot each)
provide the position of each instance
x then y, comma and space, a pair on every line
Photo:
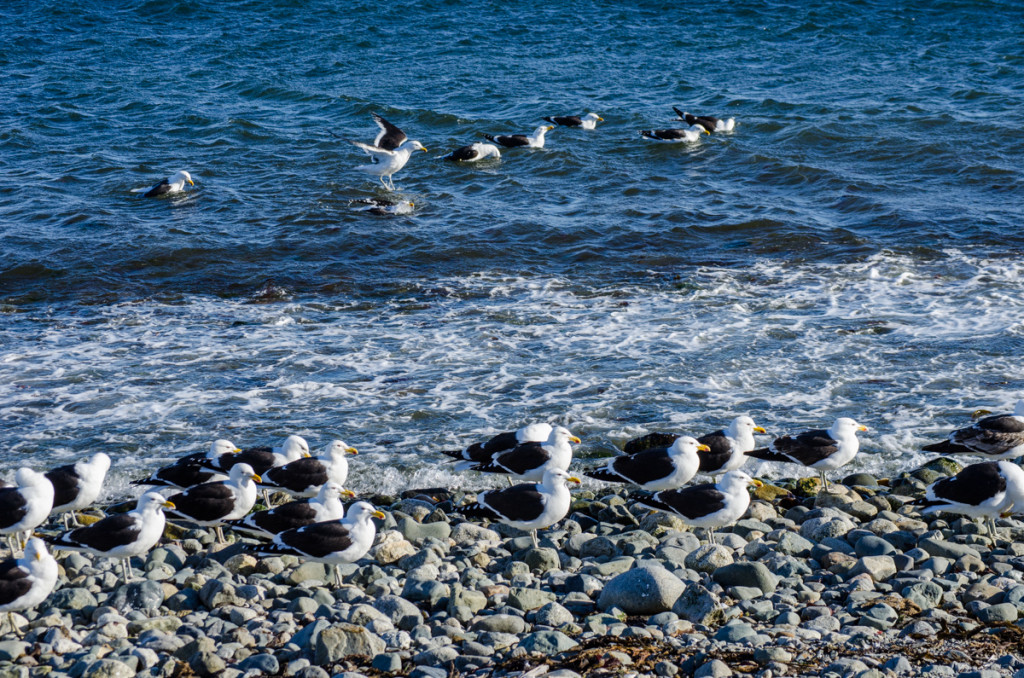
210, 504
122, 536
172, 184
332, 542
726, 451
187, 472
27, 581
708, 505
390, 151
823, 450
529, 461
305, 477
529, 507
657, 468
326, 505
588, 121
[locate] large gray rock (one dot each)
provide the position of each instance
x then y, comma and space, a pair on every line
709, 558
417, 532
946, 549
342, 640
141, 595
880, 568
817, 529
792, 544
642, 591
698, 605
400, 611
547, 642
529, 599
500, 623
108, 668
747, 573
73, 599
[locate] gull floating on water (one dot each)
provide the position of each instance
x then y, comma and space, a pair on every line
533, 140
588, 121
172, 184
708, 122
475, 152
675, 134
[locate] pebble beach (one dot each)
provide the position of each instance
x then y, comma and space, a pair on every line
853, 582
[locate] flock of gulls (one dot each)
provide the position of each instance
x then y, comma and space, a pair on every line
219, 488
392, 149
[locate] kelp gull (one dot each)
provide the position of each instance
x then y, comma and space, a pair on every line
25, 506
172, 184
187, 472
997, 437
261, 459
527, 506
824, 450
983, 490
326, 505
483, 453
78, 486
727, 451
708, 505
27, 581
658, 468
390, 151
332, 542
708, 122
305, 477
588, 121
475, 152
122, 536
534, 140
211, 504
674, 134
528, 462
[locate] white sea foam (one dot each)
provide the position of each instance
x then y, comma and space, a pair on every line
908, 347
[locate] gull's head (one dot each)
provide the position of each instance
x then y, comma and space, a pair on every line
35, 549
183, 177
416, 146
363, 511
295, 446
219, 447
101, 460
699, 128
560, 434
745, 424
26, 477
687, 445
559, 476
153, 501
338, 449
332, 490
243, 472
845, 426
593, 116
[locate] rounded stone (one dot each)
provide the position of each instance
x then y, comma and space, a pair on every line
642, 591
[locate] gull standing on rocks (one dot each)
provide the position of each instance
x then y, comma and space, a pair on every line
390, 151
708, 505
77, 486
332, 542
305, 477
211, 504
530, 461
187, 472
27, 581
823, 450
657, 468
25, 506
727, 448
326, 505
483, 453
528, 506
122, 536
998, 437
983, 490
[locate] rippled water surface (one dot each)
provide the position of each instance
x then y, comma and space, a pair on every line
853, 248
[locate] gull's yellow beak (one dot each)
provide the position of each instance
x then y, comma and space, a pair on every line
169, 505
574, 479
759, 429
862, 428
424, 150
756, 483
703, 448
351, 450
574, 439
600, 118
348, 493
191, 183
237, 450
706, 130
378, 514
256, 477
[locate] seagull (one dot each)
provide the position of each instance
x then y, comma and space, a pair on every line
674, 134
385, 208
475, 152
122, 536
211, 504
727, 451
535, 140
983, 490
326, 505
997, 437
708, 122
657, 468
528, 462
390, 151
77, 486
708, 505
305, 477
27, 581
483, 453
332, 542
526, 506
588, 121
824, 450
261, 459
187, 471
26, 506
172, 184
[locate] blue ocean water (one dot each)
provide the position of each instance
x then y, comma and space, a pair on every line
852, 248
